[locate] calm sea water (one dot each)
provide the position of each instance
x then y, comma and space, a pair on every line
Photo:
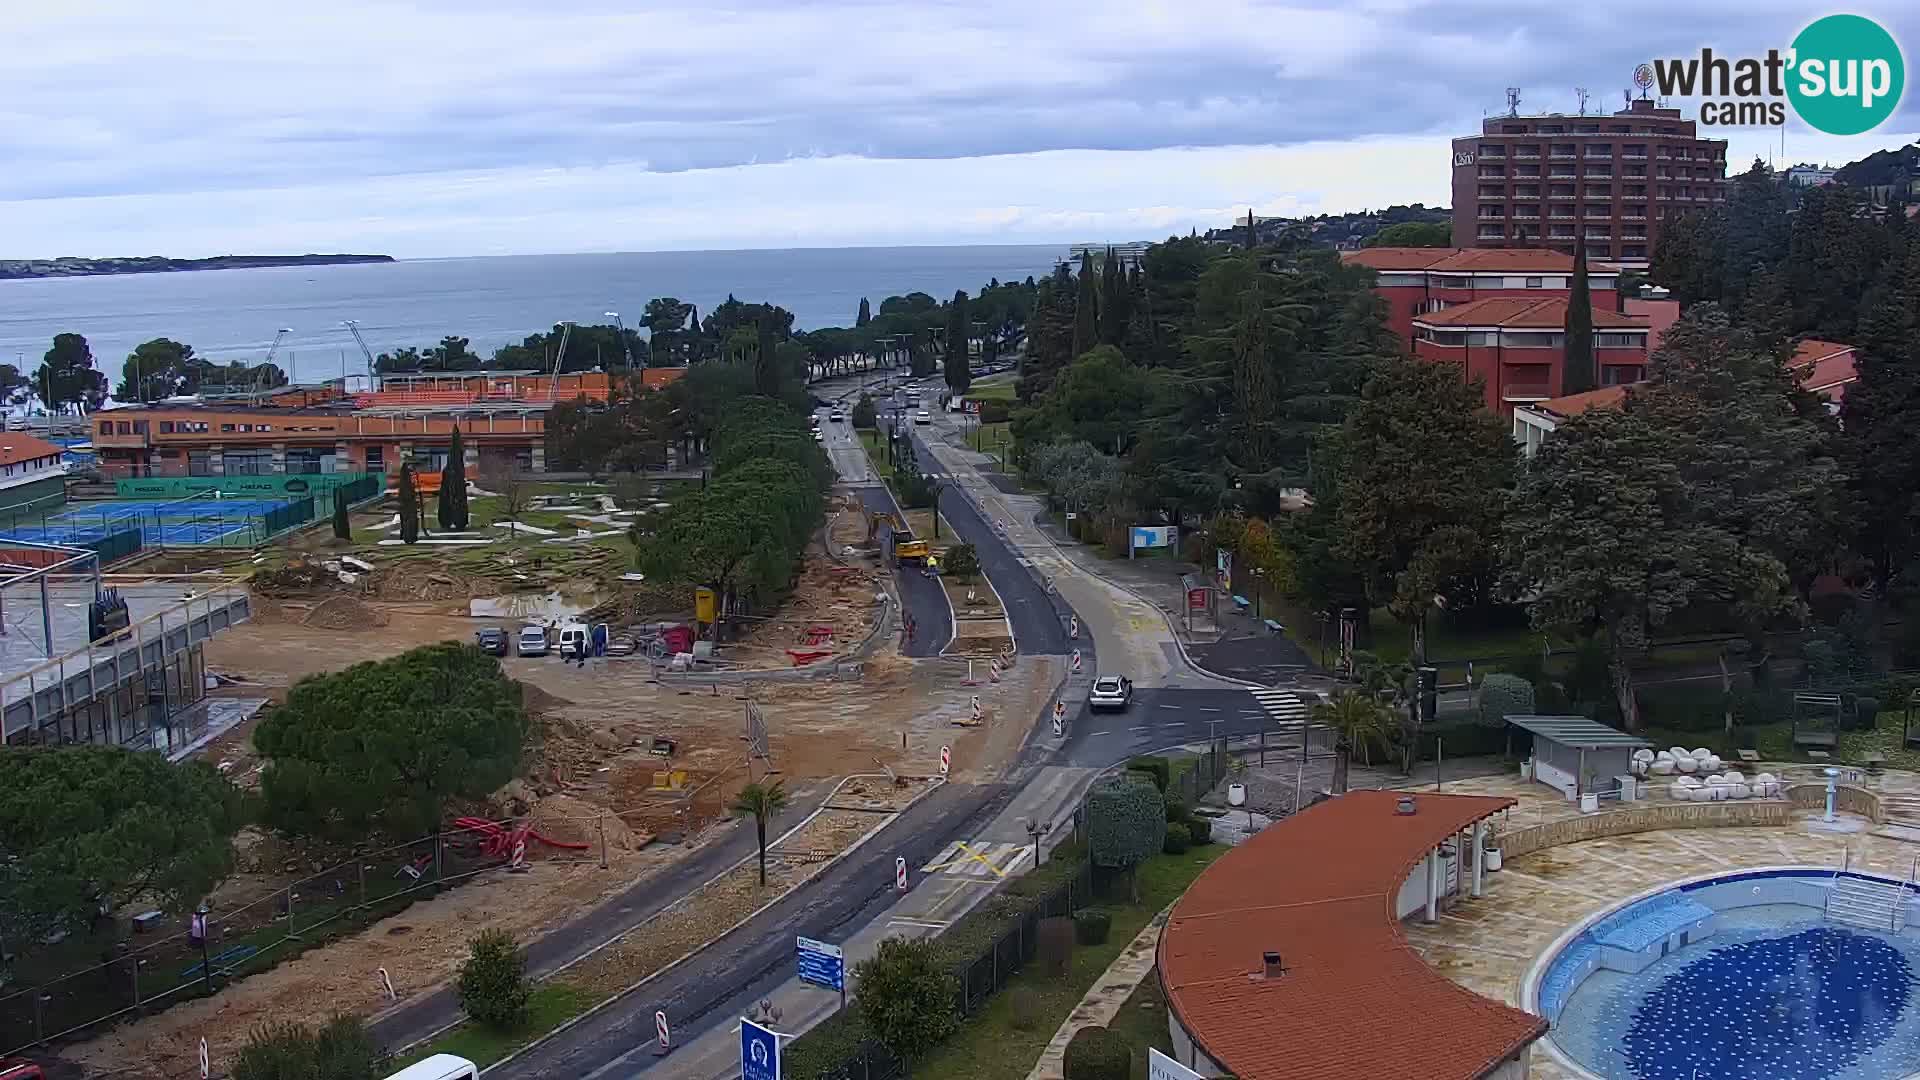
233, 314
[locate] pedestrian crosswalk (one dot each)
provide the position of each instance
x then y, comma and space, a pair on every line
967, 858
1285, 707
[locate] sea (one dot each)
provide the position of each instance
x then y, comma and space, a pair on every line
231, 315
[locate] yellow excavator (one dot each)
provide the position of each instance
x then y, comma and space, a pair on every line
906, 548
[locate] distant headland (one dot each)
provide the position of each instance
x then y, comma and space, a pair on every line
158, 264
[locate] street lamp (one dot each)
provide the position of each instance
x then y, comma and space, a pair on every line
1035, 830
1257, 575
197, 929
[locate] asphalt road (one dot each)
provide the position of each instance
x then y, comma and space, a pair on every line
921, 596
723, 980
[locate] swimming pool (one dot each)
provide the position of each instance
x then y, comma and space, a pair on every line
1740, 977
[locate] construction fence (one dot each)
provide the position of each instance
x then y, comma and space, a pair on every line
118, 969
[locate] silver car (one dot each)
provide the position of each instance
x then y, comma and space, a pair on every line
1110, 692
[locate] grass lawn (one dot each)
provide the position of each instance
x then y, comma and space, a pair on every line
1005, 1039
876, 444
1142, 1022
992, 391
550, 1005
990, 438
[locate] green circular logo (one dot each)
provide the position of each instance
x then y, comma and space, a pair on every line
1847, 74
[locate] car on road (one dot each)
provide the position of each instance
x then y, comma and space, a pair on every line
819, 436
492, 640
533, 641
622, 645
836, 416
14, 1068
1110, 692
923, 417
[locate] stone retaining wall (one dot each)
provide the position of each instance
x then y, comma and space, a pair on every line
1691, 815
1847, 799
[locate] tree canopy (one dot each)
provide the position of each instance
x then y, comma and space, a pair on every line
66, 376
384, 745
84, 826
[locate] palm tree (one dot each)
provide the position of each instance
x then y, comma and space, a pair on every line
1357, 718
763, 801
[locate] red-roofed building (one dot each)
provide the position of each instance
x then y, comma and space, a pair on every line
1285, 959
1418, 281
1824, 368
1516, 346
32, 472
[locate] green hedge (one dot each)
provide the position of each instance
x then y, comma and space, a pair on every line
1095, 1053
1091, 926
1503, 695
1158, 767
1179, 838
1201, 831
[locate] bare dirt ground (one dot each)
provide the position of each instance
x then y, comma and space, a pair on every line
591, 770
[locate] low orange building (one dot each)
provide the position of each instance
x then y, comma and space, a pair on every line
501, 417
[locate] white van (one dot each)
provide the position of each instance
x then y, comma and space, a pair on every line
573, 639
439, 1067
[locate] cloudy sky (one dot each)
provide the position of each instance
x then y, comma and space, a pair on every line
511, 126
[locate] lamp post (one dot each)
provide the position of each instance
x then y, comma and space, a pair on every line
197, 929
1035, 830
1257, 575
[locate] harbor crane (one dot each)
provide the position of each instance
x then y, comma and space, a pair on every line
353, 328
272, 350
559, 358
621, 329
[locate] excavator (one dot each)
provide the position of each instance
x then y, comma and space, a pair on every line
906, 549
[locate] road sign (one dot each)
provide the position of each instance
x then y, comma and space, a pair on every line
900, 873
661, 1031
206, 1064
759, 1052
946, 760
820, 963
1162, 1067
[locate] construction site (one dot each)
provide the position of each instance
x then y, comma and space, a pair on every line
632, 763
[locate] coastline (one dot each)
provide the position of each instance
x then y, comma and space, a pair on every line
34, 269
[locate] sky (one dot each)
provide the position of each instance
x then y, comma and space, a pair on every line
481, 127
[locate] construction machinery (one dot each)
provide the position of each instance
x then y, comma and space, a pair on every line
906, 548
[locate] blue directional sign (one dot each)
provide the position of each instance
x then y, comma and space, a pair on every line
821, 964
759, 1052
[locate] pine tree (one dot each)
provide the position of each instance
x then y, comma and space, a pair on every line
1139, 338
453, 486
1577, 375
1250, 232
866, 313
1113, 302
1086, 306
1881, 415
958, 375
409, 506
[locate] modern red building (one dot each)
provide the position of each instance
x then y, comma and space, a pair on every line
1604, 181
1516, 346
1417, 281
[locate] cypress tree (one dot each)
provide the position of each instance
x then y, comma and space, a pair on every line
1249, 228
866, 313
766, 375
342, 528
409, 506
453, 486
958, 375
1113, 302
1577, 376
1086, 333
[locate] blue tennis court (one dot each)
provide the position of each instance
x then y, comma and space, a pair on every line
174, 532
161, 509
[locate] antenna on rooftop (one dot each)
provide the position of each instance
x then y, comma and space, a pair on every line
1581, 93
1513, 101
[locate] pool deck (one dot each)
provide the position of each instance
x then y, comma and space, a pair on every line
1489, 944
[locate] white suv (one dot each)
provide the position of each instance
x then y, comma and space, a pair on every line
1110, 692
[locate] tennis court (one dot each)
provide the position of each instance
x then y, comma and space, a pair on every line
196, 521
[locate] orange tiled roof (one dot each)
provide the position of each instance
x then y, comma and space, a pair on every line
19, 446
1606, 397
1824, 366
1469, 260
1355, 1001
1523, 312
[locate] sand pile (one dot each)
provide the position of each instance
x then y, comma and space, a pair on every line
344, 613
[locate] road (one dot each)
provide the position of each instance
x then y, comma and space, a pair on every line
921, 597
961, 842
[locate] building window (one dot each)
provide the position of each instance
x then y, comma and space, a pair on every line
376, 458
1619, 374
139, 427
1536, 283
226, 427
106, 427
166, 427
1619, 341
123, 428
1482, 337
1525, 340
266, 427
1454, 283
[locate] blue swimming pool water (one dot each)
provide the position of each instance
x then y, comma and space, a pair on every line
1777, 993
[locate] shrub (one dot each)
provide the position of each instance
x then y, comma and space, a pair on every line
1177, 808
1178, 838
1027, 1008
1502, 696
962, 562
1865, 711
493, 981
1158, 767
907, 996
995, 410
1098, 1054
1200, 830
1090, 926
342, 1049
864, 413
